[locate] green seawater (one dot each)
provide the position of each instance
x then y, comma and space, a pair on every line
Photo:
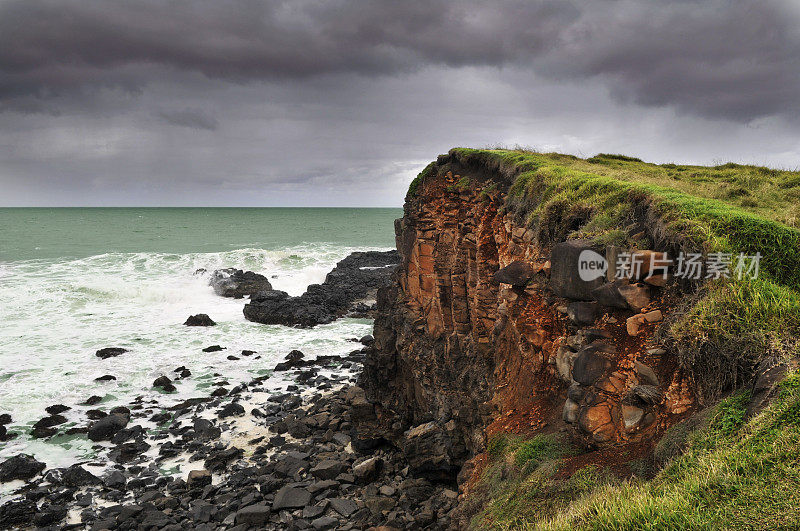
48, 233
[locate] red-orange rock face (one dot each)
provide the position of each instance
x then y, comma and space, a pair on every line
456, 348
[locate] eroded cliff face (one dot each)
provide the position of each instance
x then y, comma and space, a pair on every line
485, 329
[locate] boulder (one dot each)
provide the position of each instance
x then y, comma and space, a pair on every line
518, 273
609, 295
637, 296
56, 409
105, 428
570, 412
213, 348
21, 466
110, 352
200, 319
253, 516
291, 498
646, 375
328, 469
589, 366
631, 415
565, 279
76, 476
354, 279
231, 410
583, 313
369, 470
236, 283
198, 478
343, 506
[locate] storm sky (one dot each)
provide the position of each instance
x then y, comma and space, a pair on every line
341, 103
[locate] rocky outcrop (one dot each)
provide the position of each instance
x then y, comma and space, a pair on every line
486, 326
346, 289
236, 283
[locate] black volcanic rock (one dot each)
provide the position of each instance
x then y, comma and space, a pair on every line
353, 280
20, 466
106, 427
200, 319
110, 352
236, 283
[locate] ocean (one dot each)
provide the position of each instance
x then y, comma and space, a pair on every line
75, 280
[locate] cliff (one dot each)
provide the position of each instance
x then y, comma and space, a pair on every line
543, 294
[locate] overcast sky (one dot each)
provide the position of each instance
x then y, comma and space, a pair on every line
342, 103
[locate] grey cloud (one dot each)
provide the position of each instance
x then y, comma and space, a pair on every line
192, 118
733, 59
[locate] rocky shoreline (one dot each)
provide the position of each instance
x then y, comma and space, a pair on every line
247, 456
252, 459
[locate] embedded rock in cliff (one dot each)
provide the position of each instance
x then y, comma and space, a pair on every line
517, 273
236, 283
353, 280
567, 261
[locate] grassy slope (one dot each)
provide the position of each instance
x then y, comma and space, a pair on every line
732, 475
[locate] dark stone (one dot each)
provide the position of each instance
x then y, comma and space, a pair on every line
77, 476
218, 460
355, 278
164, 383
21, 466
105, 428
96, 414
110, 352
56, 409
324, 523
248, 352
219, 391
200, 319
115, 480
329, 469
517, 273
93, 400
294, 355
253, 516
49, 422
231, 410
105, 378
236, 283
17, 513
367, 340
589, 366
291, 498
49, 515
583, 313
649, 394
565, 280
609, 295
198, 479
205, 428
5, 418
368, 470
213, 348
343, 506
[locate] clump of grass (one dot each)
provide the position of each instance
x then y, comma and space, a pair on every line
413, 188
734, 326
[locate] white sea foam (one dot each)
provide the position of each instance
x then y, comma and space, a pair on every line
56, 314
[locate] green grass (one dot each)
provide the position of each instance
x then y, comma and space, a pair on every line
736, 473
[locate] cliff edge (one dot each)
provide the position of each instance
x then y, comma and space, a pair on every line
599, 302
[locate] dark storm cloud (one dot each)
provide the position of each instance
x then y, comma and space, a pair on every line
732, 59
192, 118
